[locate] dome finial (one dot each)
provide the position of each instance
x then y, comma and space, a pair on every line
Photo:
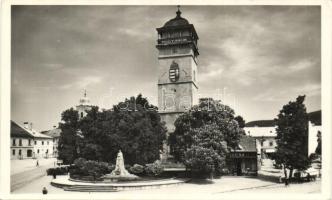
178, 13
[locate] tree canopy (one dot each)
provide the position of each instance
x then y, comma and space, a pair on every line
208, 113
134, 126
292, 136
318, 150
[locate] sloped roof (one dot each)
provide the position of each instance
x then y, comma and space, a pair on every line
18, 131
177, 21
54, 133
247, 144
315, 117
261, 131
261, 123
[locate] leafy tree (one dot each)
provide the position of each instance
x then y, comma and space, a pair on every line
292, 137
68, 141
208, 112
240, 121
134, 126
318, 150
208, 151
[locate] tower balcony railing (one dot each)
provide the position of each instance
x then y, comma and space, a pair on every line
176, 40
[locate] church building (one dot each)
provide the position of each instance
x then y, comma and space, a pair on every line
83, 106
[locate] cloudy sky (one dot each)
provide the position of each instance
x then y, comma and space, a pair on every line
254, 58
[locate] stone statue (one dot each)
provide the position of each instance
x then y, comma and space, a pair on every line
120, 172
119, 166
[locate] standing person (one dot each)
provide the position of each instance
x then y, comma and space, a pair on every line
54, 174
37, 164
286, 182
44, 190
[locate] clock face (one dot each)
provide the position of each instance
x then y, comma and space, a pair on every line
174, 72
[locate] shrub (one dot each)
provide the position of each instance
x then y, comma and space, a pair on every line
203, 161
91, 168
57, 171
136, 169
154, 169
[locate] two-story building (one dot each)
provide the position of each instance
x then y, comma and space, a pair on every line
265, 139
55, 134
29, 143
21, 145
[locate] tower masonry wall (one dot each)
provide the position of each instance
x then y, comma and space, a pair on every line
187, 69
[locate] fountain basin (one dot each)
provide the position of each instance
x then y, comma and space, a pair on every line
70, 185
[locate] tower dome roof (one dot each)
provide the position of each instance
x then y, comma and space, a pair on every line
84, 100
177, 21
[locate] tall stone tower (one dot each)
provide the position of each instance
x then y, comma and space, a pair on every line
83, 106
177, 82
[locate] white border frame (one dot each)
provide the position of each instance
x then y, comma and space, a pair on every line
5, 75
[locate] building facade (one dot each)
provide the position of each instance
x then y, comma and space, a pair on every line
28, 143
21, 145
55, 134
314, 130
265, 140
243, 160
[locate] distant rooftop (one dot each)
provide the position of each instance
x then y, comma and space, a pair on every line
247, 144
315, 117
54, 133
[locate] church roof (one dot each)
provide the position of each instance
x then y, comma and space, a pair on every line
84, 100
177, 21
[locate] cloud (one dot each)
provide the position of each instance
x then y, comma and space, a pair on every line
260, 53
82, 83
308, 89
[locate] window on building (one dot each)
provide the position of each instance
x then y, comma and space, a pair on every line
14, 142
13, 152
42, 142
29, 142
194, 75
37, 150
19, 152
81, 114
271, 143
20, 142
35, 142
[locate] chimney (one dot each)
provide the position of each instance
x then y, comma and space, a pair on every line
26, 125
31, 126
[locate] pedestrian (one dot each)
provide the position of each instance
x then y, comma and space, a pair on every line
308, 177
286, 182
37, 164
44, 190
54, 174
